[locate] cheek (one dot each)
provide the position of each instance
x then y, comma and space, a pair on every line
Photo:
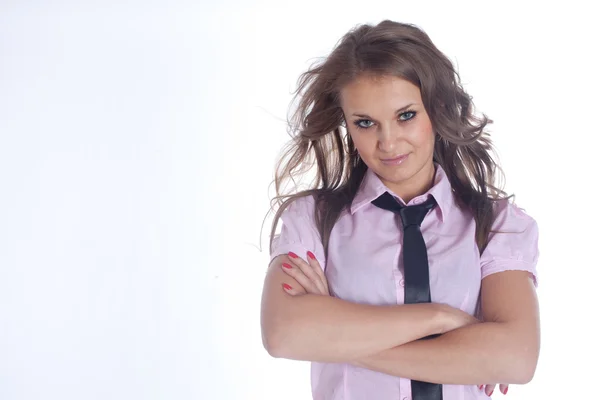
424, 136
361, 142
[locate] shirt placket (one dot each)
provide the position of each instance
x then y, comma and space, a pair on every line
398, 277
399, 285
397, 274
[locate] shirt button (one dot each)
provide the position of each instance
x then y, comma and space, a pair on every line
401, 282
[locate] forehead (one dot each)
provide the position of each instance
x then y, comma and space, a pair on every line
373, 90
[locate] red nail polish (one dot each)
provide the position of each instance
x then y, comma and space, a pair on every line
491, 392
311, 255
505, 391
286, 265
286, 286
293, 255
480, 387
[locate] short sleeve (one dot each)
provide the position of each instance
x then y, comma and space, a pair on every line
299, 233
517, 249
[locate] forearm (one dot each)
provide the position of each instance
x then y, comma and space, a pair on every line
328, 329
471, 355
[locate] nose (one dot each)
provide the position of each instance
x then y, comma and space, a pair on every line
387, 138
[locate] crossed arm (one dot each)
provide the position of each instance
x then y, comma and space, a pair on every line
502, 348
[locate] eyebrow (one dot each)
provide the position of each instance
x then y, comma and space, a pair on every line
397, 111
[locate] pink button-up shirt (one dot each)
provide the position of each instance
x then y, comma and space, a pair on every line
363, 267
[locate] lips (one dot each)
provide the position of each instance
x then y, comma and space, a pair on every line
393, 162
397, 158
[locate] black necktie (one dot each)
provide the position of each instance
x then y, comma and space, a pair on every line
416, 270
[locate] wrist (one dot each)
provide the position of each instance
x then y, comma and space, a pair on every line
359, 362
442, 321
435, 318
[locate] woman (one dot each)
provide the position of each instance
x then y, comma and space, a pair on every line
385, 114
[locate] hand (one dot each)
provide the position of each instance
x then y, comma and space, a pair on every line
454, 318
490, 388
309, 275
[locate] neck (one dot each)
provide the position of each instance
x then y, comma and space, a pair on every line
420, 184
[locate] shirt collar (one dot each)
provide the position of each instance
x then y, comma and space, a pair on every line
372, 187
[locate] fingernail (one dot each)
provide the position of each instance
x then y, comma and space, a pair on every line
505, 391
286, 265
311, 255
491, 392
286, 286
293, 255
480, 386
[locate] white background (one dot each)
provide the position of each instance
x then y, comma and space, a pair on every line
137, 145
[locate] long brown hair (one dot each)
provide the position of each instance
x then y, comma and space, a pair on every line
463, 149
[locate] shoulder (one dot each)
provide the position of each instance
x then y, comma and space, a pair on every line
301, 209
511, 218
302, 205
299, 232
513, 235
513, 241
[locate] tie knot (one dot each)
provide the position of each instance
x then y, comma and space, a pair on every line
410, 215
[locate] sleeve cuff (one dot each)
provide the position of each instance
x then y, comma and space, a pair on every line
510, 265
297, 248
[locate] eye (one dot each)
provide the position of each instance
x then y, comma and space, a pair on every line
408, 112
358, 122
411, 114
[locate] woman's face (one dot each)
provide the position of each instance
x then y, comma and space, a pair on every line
386, 118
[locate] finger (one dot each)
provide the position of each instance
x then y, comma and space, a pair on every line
503, 388
308, 271
314, 269
303, 281
314, 263
489, 389
300, 277
291, 290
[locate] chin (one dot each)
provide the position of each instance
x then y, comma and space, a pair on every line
395, 174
